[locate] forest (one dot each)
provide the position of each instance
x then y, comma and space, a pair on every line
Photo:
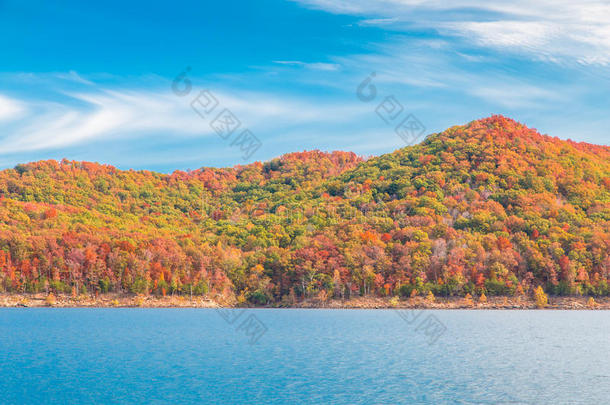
490, 207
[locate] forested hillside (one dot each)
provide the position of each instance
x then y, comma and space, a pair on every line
489, 207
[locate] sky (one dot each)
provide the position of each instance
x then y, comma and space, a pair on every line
175, 86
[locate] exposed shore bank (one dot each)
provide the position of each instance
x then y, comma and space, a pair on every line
141, 301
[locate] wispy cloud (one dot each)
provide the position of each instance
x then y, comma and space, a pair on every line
92, 115
10, 109
97, 112
432, 66
73, 76
515, 95
378, 21
556, 30
312, 66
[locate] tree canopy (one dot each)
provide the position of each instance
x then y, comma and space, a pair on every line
489, 207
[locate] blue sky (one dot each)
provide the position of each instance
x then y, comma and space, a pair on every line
93, 81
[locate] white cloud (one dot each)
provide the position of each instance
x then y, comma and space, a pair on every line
10, 109
429, 68
514, 95
73, 76
555, 30
312, 66
378, 21
98, 114
101, 113
516, 34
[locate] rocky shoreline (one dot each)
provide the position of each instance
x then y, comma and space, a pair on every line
150, 301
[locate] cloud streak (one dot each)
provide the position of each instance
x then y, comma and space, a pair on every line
10, 109
102, 113
312, 66
561, 31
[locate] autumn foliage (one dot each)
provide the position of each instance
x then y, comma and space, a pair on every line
489, 208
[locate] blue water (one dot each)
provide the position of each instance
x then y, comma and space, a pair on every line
77, 356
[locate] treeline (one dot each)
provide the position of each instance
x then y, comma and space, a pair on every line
491, 207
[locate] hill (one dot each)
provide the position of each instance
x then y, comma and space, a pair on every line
490, 207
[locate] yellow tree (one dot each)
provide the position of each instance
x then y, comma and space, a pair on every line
540, 297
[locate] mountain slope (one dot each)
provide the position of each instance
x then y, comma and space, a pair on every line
491, 207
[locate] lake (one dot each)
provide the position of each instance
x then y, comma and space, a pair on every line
303, 356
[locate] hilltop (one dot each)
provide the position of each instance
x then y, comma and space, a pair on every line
491, 207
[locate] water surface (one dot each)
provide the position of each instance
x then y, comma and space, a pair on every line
70, 356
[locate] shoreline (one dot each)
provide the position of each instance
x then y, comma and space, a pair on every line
141, 301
